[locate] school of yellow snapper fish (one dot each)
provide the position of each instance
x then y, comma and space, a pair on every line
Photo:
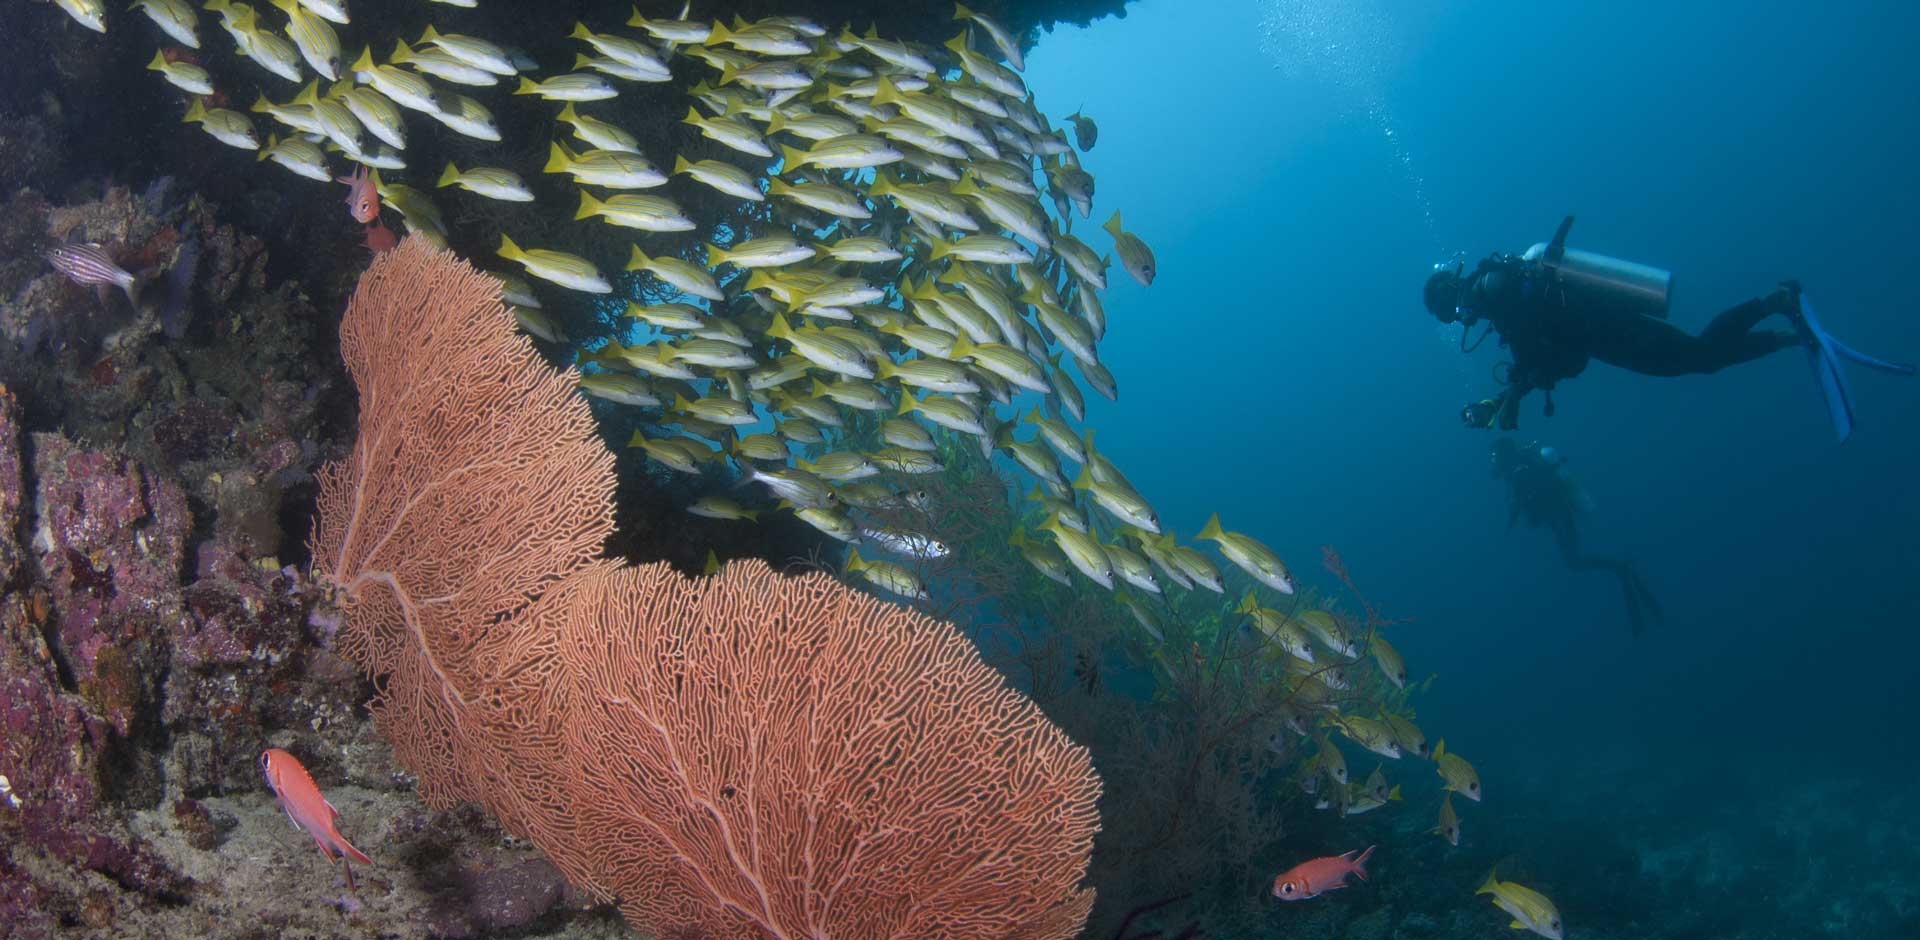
913, 271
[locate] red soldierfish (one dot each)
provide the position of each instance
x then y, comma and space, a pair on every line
363, 203
301, 798
1312, 878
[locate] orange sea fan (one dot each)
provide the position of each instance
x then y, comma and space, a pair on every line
744, 755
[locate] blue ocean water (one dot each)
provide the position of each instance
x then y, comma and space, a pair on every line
1299, 165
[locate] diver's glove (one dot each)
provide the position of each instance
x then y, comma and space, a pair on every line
1480, 414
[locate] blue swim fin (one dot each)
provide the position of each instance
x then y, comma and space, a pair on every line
1823, 355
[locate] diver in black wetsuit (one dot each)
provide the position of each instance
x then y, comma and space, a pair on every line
1540, 490
1556, 308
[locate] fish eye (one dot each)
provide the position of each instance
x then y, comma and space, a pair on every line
1287, 888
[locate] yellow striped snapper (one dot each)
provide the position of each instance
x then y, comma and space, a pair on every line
681, 30
1064, 510
621, 388
824, 197
612, 169
650, 358
1252, 557
597, 132
334, 11
899, 432
1459, 775
335, 118
1328, 631
228, 127
725, 177
635, 55
298, 154
684, 275
713, 353
1530, 909
1071, 331
823, 349
573, 86
764, 38
479, 53
987, 293
669, 316
405, 88
819, 410
830, 523
1135, 256
515, 289
987, 72
840, 466
894, 53
768, 77
1046, 558
89, 13
185, 76
908, 131
1038, 460
761, 447
489, 181
316, 40
442, 64
174, 17
413, 206
375, 111
607, 65
795, 486
1058, 436
950, 413
1194, 565
677, 452
764, 252
1065, 391
730, 131
1100, 379
557, 266
1388, 659
717, 409
1090, 268
633, 210
980, 101
270, 52
1276, 626
1083, 552
1373, 735
1407, 734
812, 126
298, 117
381, 157
1004, 361
1093, 310
934, 375
837, 294
1010, 211
938, 113
1002, 40
852, 152
925, 340
1131, 567
468, 117
720, 507
852, 394
1448, 825
800, 431
536, 324
948, 210
721, 59
1120, 501
986, 249
887, 576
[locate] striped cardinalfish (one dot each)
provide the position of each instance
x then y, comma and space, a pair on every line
90, 264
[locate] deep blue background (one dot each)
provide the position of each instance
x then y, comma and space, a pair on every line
1297, 179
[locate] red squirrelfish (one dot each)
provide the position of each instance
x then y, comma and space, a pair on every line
363, 203
301, 798
1310, 879
380, 238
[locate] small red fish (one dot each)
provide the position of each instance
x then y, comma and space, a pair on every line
363, 203
310, 811
1312, 878
380, 238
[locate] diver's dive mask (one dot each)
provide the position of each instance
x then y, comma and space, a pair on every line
1445, 291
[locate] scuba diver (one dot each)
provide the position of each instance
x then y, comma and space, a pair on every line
1556, 308
1540, 490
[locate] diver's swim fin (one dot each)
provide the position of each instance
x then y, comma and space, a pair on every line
1823, 355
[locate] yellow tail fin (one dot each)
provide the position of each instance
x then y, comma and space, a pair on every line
589, 206
449, 176
1212, 530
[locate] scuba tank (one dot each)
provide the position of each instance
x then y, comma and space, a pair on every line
1598, 282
